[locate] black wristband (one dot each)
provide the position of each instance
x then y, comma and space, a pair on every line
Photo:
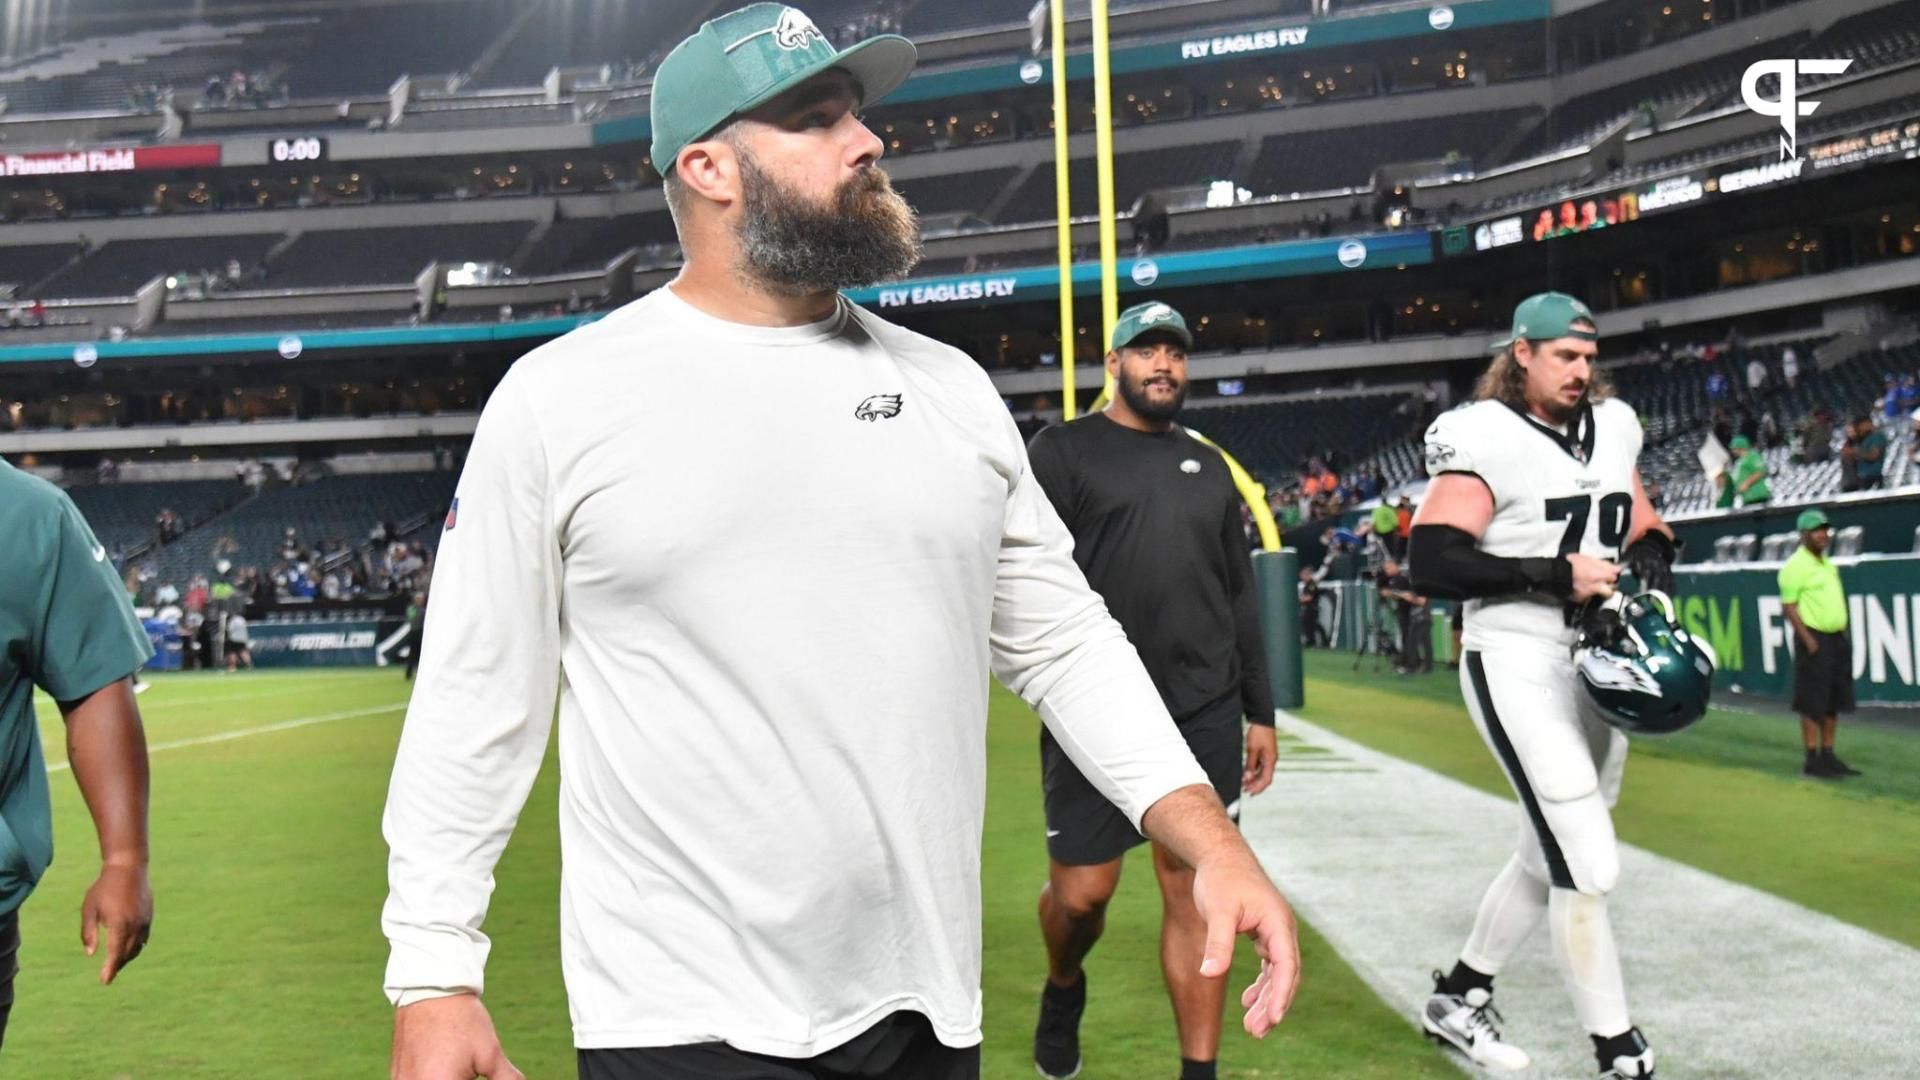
1551, 576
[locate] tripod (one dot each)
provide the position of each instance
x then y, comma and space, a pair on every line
1377, 637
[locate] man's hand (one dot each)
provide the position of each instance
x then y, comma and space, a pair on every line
449, 1038
117, 913
1592, 578
1234, 896
1809, 643
1263, 751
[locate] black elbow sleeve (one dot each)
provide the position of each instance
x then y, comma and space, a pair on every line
1446, 562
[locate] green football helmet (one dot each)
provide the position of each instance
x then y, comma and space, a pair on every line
1643, 674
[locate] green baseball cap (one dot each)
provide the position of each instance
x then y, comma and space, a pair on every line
1740, 442
741, 60
1810, 520
1548, 315
1141, 318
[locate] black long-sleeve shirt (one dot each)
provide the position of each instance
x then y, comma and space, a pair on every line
1155, 520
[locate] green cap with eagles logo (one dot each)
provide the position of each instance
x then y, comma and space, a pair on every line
1143, 318
1811, 520
746, 58
1548, 315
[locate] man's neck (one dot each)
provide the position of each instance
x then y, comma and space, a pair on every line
1118, 412
722, 292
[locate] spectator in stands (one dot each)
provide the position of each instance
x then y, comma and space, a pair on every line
1404, 512
1722, 427
1890, 400
1790, 367
1863, 461
1913, 440
1816, 605
196, 598
1909, 394
1756, 378
1311, 632
1717, 385
1770, 436
1749, 473
1815, 438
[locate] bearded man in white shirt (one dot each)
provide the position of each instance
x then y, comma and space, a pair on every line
772, 712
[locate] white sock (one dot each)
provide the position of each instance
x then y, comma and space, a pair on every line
1513, 906
1583, 945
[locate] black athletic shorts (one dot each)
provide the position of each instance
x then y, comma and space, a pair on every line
1084, 829
900, 1047
1823, 682
9, 965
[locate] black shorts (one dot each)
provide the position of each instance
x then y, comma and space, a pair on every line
1084, 829
900, 1047
1823, 682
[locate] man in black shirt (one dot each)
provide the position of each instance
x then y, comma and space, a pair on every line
1311, 632
1155, 519
1416, 620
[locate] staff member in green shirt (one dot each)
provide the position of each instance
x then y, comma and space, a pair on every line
1749, 473
1823, 666
66, 626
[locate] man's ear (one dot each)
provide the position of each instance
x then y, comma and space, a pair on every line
1113, 362
710, 169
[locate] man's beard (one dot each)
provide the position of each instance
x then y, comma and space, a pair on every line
1565, 414
1146, 408
865, 235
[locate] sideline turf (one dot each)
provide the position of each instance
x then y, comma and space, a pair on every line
269, 872
1725, 795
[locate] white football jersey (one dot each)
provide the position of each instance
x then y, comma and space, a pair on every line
1554, 493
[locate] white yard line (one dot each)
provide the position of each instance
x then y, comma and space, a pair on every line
1388, 860
243, 733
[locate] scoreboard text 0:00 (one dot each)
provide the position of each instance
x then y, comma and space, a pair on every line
310, 148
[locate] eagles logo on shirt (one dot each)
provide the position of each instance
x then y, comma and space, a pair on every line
1438, 455
878, 407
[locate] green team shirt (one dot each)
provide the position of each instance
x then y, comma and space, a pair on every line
65, 626
1814, 584
1871, 470
1752, 464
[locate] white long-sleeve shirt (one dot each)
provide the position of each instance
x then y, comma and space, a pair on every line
766, 572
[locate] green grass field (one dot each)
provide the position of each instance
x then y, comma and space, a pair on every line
269, 872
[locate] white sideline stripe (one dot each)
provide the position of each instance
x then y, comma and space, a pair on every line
243, 733
1727, 981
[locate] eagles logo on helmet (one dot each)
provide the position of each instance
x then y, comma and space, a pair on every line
1640, 672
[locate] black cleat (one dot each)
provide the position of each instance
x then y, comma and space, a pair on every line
1056, 1039
1836, 767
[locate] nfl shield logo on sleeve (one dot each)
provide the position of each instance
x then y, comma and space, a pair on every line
453, 513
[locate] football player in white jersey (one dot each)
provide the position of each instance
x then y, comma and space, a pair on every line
1535, 506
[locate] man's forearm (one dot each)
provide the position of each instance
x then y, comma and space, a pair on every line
1194, 826
1799, 628
108, 749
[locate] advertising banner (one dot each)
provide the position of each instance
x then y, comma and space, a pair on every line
109, 160
322, 644
1737, 610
